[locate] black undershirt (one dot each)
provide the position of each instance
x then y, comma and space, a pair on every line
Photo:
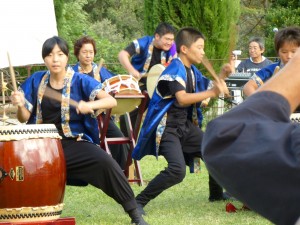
51, 109
176, 112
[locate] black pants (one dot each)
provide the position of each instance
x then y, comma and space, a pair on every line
173, 147
89, 163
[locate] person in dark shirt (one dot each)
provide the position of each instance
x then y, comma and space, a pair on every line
286, 42
253, 150
69, 100
256, 60
85, 51
143, 53
179, 92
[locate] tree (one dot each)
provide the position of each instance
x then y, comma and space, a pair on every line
216, 19
251, 22
282, 14
112, 23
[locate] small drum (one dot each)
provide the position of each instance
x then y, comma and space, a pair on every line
32, 173
127, 92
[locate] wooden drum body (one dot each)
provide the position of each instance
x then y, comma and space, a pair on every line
32, 173
127, 92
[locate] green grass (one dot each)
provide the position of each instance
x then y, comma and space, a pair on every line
184, 204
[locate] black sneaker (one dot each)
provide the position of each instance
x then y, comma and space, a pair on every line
140, 222
141, 209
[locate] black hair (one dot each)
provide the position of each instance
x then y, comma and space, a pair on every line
187, 36
287, 35
164, 28
51, 42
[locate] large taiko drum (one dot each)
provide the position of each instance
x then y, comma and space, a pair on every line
127, 90
32, 173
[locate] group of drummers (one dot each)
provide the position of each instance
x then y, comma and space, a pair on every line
179, 89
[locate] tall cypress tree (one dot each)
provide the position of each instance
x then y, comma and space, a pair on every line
216, 19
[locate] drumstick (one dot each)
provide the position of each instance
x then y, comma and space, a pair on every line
209, 68
97, 73
3, 87
12, 74
50, 93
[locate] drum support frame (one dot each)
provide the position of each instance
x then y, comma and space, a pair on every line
136, 175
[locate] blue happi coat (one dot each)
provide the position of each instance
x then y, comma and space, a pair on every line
159, 106
104, 73
77, 87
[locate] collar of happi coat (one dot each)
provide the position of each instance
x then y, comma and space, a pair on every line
65, 101
192, 72
163, 58
96, 73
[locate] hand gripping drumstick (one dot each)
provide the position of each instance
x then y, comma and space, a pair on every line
50, 93
12, 74
277, 68
223, 75
97, 73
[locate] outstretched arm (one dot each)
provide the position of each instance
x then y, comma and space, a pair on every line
103, 101
124, 59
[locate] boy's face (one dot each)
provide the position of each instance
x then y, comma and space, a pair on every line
196, 52
287, 51
164, 42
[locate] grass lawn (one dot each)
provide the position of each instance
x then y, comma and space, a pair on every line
184, 204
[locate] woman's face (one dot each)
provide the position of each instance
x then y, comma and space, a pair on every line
287, 51
86, 54
56, 61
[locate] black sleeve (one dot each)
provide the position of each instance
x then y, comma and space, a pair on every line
130, 49
166, 88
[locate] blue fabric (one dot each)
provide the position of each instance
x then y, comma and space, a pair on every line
267, 72
138, 60
104, 73
159, 106
83, 87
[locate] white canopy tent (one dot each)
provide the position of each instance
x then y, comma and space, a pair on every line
24, 26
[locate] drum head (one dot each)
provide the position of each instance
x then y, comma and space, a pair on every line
123, 84
126, 105
152, 77
127, 90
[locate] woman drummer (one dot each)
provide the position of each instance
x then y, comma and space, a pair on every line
85, 51
76, 123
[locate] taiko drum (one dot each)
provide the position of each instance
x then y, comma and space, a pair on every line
32, 173
127, 90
